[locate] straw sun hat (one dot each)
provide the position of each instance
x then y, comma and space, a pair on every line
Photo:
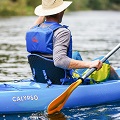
51, 7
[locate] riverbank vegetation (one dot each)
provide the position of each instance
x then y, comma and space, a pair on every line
26, 7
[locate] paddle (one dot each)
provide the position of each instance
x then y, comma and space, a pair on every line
58, 103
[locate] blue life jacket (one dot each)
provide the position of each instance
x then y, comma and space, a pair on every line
40, 38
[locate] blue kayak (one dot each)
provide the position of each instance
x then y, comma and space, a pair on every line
28, 96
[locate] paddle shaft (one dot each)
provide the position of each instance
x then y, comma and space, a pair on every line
103, 60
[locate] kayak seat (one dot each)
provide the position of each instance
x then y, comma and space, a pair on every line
44, 70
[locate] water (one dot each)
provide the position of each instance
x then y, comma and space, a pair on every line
95, 33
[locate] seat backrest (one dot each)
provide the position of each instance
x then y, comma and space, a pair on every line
38, 64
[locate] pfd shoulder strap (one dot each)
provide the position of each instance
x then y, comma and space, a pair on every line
52, 26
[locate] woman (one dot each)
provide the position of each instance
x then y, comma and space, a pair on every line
61, 47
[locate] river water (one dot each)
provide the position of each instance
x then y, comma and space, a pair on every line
94, 33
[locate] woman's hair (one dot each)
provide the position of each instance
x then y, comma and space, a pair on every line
53, 16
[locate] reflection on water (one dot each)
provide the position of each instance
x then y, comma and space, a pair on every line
102, 112
95, 33
35, 116
13, 55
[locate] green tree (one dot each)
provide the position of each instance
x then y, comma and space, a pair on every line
115, 1
79, 5
114, 4
99, 4
34, 3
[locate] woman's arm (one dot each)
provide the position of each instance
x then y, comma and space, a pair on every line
61, 43
76, 64
39, 20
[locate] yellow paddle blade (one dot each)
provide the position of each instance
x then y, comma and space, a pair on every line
57, 104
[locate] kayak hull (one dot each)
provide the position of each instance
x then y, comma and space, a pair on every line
28, 96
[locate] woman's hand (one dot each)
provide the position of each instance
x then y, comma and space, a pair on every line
39, 20
97, 64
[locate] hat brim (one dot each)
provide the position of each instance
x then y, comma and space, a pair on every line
39, 11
